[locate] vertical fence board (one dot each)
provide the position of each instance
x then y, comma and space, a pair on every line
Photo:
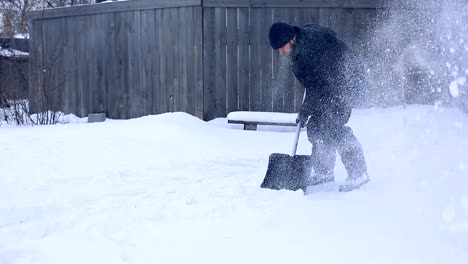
312, 15
198, 63
67, 56
289, 104
99, 54
81, 69
282, 73
168, 60
324, 16
120, 94
85, 64
188, 85
148, 50
220, 67
174, 59
55, 69
255, 59
209, 63
73, 30
278, 87
300, 19
160, 93
266, 60
348, 22
111, 63
183, 56
45, 62
244, 59
134, 85
359, 31
336, 20
232, 68
93, 63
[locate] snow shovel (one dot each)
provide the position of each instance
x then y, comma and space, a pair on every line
290, 172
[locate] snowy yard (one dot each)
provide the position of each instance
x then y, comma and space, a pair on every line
171, 188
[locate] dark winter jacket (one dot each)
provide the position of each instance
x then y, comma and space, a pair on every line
328, 70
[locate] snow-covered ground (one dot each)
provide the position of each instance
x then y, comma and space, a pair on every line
171, 188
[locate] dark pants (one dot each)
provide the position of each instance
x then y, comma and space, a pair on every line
326, 141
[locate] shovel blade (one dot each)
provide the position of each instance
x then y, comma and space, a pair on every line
287, 172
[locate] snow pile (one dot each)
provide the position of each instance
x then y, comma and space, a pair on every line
171, 188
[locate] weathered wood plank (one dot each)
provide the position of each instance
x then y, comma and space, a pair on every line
266, 56
46, 85
279, 69
113, 7
53, 48
348, 25
189, 64
183, 47
336, 20
255, 59
134, 84
88, 77
324, 16
171, 58
232, 61
312, 15
220, 67
160, 93
93, 53
361, 20
289, 87
209, 59
81, 95
198, 63
244, 59
278, 81
35, 62
72, 64
301, 18
98, 53
66, 67
110, 64
148, 62
119, 94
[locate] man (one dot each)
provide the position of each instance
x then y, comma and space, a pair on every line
333, 80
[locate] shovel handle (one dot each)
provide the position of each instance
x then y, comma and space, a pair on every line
298, 131
296, 139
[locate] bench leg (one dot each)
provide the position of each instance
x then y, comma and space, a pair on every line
250, 127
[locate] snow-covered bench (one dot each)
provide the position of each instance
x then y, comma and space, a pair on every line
250, 119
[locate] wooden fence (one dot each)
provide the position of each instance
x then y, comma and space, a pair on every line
206, 58
127, 59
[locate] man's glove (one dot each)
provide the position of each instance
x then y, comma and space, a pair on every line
302, 119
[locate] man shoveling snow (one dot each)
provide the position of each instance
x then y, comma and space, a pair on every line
333, 80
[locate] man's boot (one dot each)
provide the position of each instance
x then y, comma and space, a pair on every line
323, 160
355, 164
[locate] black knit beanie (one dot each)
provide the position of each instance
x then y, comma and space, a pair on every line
280, 34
